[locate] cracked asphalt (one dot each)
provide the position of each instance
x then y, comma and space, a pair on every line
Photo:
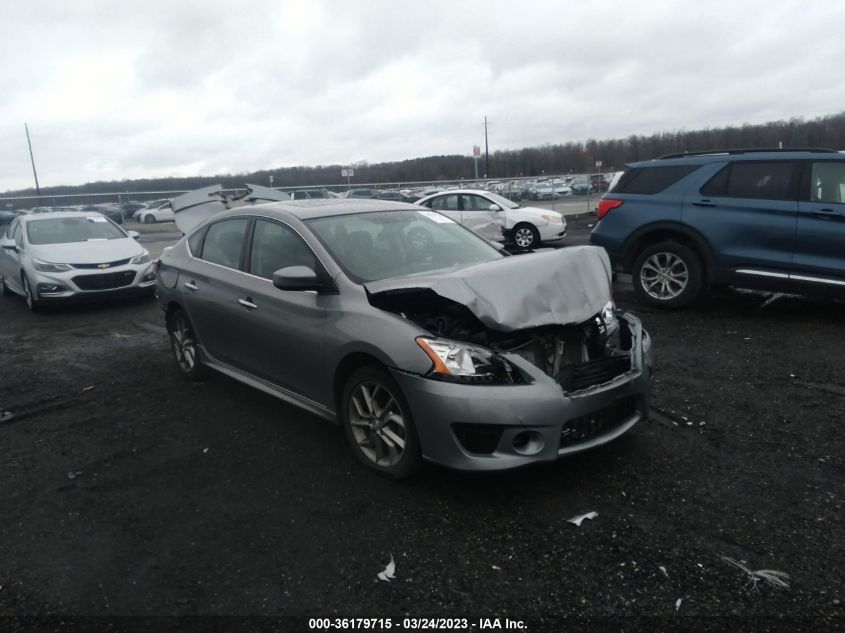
127, 490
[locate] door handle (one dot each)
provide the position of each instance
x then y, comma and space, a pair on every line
192, 286
825, 214
703, 203
248, 304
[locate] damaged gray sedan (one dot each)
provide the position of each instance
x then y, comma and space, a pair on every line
422, 339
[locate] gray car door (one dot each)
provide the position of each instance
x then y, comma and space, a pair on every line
210, 285
281, 331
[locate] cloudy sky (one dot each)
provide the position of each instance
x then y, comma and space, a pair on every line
115, 90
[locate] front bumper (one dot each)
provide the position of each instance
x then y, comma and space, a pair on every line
552, 231
80, 284
529, 423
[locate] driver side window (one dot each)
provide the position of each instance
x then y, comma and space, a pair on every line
445, 203
476, 203
275, 246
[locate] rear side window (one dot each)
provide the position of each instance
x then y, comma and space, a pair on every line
767, 180
224, 241
648, 180
827, 182
195, 242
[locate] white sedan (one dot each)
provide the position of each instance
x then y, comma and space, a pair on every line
496, 218
65, 256
159, 211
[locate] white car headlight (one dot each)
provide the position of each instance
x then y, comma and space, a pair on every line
557, 219
141, 259
48, 267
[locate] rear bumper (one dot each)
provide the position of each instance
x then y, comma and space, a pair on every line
555, 423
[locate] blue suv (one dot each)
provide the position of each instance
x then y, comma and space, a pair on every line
760, 219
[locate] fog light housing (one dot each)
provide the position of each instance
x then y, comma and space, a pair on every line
50, 288
528, 443
149, 277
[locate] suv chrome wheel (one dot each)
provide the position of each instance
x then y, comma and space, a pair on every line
664, 276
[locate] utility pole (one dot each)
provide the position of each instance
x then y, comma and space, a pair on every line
34, 173
486, 151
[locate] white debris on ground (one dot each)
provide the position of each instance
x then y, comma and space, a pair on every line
580, 518
663, 569
777, 579
388, 574
678, 603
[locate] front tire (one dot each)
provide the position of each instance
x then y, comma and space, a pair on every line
31, 296
7, 292
378, 423
183, 344
667, 275
525, 236
149, 219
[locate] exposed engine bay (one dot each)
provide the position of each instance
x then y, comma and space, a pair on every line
576, 355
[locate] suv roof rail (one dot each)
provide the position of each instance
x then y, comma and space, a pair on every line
710, 152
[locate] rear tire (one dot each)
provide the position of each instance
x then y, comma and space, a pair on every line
149, 219
378, 423
183, 344
667, 275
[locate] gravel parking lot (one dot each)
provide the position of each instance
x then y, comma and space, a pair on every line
127, 490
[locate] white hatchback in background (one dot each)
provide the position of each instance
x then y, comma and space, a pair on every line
68, 256
496, 218
160, 212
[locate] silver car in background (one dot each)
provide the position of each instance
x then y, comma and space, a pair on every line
444, 349
54, 257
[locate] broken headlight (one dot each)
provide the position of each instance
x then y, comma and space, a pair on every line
608, 318
464, 362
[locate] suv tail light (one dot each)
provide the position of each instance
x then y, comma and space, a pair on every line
606, 205
156, 262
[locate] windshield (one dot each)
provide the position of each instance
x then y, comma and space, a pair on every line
501, 201
65, 230
386, 244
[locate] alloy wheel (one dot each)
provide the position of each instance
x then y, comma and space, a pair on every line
664, 276
184, 346
377, 423
523, 237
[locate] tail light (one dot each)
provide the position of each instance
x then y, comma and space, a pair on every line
606, 205
156, 262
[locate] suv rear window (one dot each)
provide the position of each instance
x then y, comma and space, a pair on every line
770, 180
650, 180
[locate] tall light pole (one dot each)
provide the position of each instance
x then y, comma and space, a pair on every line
486, 151
32, 160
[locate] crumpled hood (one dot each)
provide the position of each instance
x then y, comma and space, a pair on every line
91, 252
558, 287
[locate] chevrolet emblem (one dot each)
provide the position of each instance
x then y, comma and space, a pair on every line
102, 265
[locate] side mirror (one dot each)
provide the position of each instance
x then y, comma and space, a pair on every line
495, 207
9, 245
133, 234
296, 278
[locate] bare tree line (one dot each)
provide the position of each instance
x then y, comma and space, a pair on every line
572, 157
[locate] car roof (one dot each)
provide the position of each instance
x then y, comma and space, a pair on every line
322, 207
720, 156
61, 214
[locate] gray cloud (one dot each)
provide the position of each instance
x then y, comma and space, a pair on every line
122, 90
